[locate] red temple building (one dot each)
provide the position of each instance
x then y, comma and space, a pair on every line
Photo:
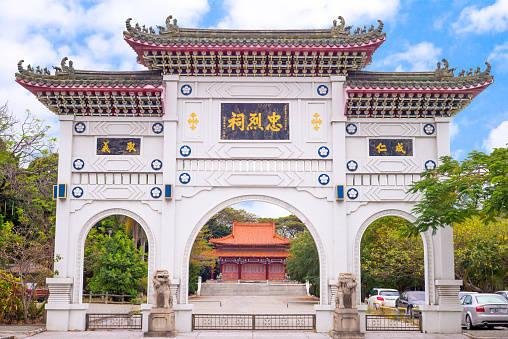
252, 252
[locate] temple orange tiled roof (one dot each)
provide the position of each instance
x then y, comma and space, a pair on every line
253, 234
230, 253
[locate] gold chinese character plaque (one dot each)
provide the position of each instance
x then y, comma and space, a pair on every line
118, 146
391, 147
255, 121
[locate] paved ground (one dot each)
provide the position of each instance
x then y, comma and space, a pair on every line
241, 335
253, 305
21, 332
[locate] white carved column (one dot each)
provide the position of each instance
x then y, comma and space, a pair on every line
444, 312
64, 266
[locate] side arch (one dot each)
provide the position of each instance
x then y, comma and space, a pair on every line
80, 249
315, 235
427, 248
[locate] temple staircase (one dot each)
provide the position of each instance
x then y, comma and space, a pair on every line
253, 288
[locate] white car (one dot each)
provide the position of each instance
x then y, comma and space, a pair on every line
382, 297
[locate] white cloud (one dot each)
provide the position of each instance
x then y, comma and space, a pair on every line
263, 209
493, 18
294, 14
497, 138
500, 55
454, 130
457, 154
42, 32
419, 57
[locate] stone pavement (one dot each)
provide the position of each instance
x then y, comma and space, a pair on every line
253, 305
19, 331
242, 335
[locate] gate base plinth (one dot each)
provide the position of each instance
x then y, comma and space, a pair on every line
346, 335
346, 324
167, 334
161, 323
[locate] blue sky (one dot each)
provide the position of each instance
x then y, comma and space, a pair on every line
419, 34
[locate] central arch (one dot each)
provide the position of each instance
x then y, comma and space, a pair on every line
323, 281
80, 249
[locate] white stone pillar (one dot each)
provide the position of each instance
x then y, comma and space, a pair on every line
443, 315
64, 267
340, 263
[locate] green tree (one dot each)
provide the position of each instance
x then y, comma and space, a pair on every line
303, 263
456, 191
391, 259
200, 263
28, 171
11, 308
287, 227
481, 254
118, 267
220, 224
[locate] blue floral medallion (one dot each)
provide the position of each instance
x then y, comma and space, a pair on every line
156, 192
351, 129
322, 90
77, 192
78, 164
186, 89
324, 179
184, 178
185, 151
352, 165
79, 127
156, 165
323, 151
352, 193
157, 128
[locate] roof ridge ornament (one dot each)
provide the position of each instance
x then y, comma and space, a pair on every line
446, 73
141, 29
30, 70
342, 29
171, 28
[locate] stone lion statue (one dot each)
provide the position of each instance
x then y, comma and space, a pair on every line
161, 284
346, 291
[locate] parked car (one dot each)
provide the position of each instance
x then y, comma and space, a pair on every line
382, 297
410, 301
40, 292
504, 294
484, 309
463, 293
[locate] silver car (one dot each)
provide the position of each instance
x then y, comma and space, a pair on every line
484, 309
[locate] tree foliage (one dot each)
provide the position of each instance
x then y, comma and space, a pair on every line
303, 263
286, 227
456, 191
11, 308
391, 259
200, 264
28, 171
117, 266
481, 254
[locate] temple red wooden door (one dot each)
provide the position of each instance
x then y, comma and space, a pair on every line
253, 272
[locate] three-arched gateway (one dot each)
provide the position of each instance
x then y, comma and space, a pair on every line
225, 116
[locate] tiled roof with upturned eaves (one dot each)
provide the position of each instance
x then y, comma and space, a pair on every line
67, 77
441, 78
413, 94
172, 34
94, 93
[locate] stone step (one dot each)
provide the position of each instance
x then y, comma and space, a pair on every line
253, 289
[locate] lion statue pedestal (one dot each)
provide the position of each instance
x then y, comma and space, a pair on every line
346, 320
161, 321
